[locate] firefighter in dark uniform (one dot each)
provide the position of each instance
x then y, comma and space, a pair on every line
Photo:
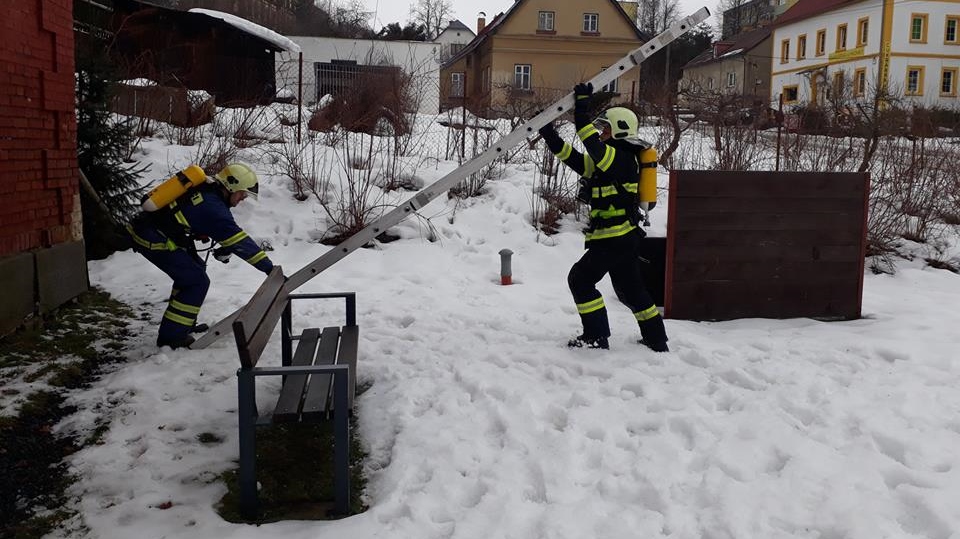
609, 181
166, 238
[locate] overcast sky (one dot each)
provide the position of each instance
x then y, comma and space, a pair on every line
387, 11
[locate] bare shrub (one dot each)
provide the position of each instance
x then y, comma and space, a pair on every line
555, 192
181, 136
812, 153
732, 127
674, 121
305, 164
140, 128
358, 200
213, 152
475, 184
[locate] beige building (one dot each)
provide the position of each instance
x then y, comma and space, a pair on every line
536, 51
738, 67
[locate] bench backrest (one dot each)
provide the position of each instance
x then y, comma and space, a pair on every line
257, 319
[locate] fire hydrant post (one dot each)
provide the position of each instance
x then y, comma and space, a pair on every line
506, 273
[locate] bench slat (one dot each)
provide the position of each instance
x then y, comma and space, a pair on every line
288, 405
349, 339
318, 394
260, 338
256, 319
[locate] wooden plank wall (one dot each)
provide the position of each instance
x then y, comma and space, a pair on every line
765, 245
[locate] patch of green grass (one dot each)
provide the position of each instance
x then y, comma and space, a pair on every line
209, 438
33, 469
295, 471
39, 526
63, 349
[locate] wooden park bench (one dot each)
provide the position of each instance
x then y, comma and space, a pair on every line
307, 394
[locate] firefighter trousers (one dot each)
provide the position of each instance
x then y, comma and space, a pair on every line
190, 285
621, 260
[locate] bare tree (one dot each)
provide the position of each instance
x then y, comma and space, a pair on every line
340, 18
431, 14
655, 16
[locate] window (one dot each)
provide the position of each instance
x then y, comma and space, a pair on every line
860, 82
591, 23
521, 76
790, 94
784, 51
612, 87
918, 28
821, 42
863, 27
731, 79
948, 82
838, 83
485, 82
842, 37
950, 33
545, 23
710, 83
802, 47
456, 84
914, 80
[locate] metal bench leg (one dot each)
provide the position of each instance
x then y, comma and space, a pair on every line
247, 412
341, 446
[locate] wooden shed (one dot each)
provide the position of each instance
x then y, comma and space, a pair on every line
193, 50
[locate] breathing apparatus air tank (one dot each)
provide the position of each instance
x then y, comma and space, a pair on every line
648, 182
170, 190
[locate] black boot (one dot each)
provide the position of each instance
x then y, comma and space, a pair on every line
582, 341
183, 342
198, 328
656, 346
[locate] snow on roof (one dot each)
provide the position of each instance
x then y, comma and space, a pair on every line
251, 28
732, 53
138, 82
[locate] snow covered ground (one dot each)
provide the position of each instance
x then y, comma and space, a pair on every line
480, 423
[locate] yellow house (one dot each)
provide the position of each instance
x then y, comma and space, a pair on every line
536, 51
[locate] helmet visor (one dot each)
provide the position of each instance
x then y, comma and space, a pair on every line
253, 191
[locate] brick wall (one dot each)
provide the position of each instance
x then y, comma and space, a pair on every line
38, 163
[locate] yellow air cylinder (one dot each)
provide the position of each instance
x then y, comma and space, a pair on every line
648, 178
170, 190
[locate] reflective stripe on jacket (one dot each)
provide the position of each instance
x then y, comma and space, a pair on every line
602, 168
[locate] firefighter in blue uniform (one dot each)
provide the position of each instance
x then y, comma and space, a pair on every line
166, 237
609, 181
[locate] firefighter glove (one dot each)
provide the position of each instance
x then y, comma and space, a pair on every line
583, 90
222, 254
584, 192
547, 130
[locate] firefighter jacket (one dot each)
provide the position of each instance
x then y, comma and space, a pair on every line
202, 212
609, 181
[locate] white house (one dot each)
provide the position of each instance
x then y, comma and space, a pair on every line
453, 38
910, 47
331, 65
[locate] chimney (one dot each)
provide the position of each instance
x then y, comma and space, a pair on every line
481, 22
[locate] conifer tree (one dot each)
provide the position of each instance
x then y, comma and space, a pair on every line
101, 146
